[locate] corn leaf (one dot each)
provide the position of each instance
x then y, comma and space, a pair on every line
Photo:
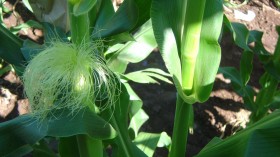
133, 51
140, 48
164, 140
52, 33
246, 66
120, 38
144, 7
105, 12
83, 7
129, 17
136, 114
273, 66
256, 37
117, 117
123, 20
27, 129
158, 71
94, 13
30, 49
240, 33
260, 139
164, 21
135, 102
10, 48
233, 75
209, 55
148, 142
238, 85
137, 121
144, 76
167, 25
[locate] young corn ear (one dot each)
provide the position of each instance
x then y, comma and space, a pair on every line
68, 76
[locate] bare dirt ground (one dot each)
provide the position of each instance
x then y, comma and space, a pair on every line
220, 116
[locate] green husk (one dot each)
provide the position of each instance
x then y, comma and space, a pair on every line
68, 76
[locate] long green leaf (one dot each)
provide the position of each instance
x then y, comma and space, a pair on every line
240, 33
164, 21
233, 75
144, 44
239, 85
10, 48
123, 20
83, 7
144, 7
133, 51
28, 130
256, 36
105, 13
118, 116
261, 139
209, 55
135, 102
148, 142
137, 121
246, 66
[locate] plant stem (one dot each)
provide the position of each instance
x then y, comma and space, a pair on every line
190, 41
122, 138
79, 26
89, 147
183, 119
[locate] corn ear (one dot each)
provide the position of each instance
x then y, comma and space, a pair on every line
68, 76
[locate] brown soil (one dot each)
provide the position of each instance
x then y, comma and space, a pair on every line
220, 116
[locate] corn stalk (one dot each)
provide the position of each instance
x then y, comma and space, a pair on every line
187, 34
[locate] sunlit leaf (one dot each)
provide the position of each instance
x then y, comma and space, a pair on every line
147, 76
147, 142
133, 51
137, 121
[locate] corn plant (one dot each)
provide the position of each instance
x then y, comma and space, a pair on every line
79, 92
267, 98
77, 88
260, 138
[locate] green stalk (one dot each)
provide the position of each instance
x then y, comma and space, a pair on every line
79, 25
182, 122
190, 41
123, 139
88, 147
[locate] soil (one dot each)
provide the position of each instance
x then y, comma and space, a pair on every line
222, 115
